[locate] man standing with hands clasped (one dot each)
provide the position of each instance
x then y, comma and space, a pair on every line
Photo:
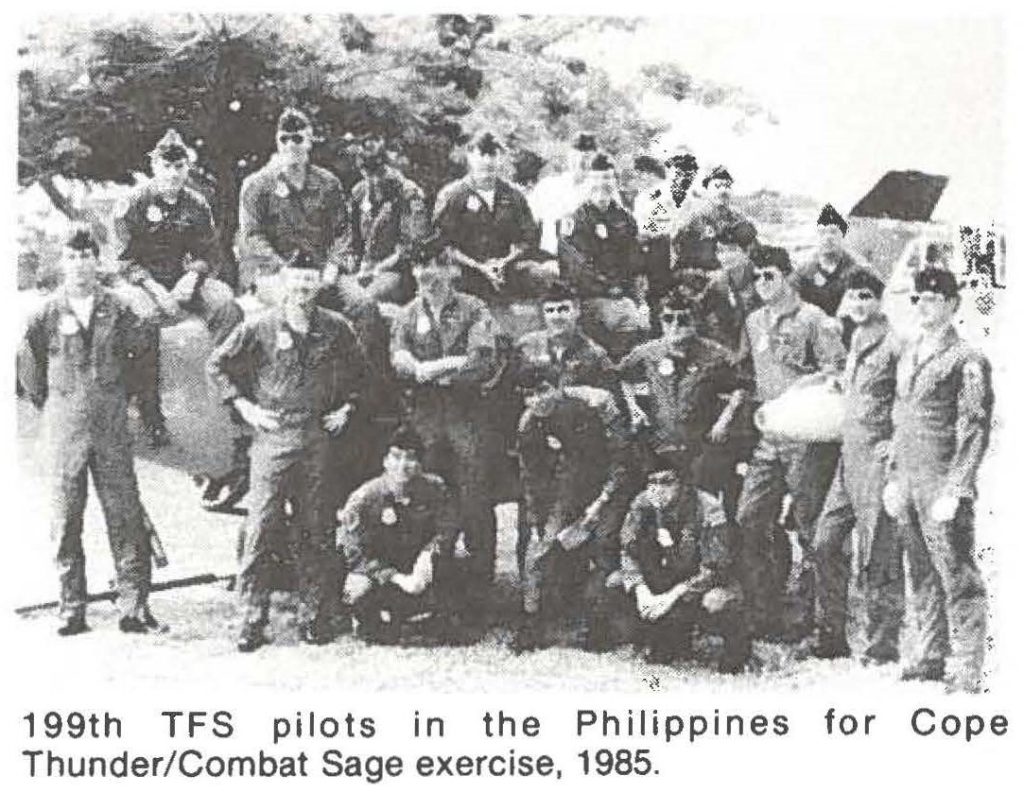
941, 423
293, 374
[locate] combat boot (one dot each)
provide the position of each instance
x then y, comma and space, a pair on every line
926, 669
72, 626
252, 639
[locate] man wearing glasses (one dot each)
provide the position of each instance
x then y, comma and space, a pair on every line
290, 206
789, 340
679, 564
942, 417
388, 215
853, 508
681, 389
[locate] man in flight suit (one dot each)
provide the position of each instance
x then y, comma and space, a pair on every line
388, 215
488, 227
442, 349
683, 390
290, 206
714, 222
396, 532
942, 418
576, 465
679, 563
294, 374
823, 278
600, 256
77, 349
853, 508
166, 230
788, 340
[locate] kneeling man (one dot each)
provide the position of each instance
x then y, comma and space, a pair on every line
678, 558
397, 531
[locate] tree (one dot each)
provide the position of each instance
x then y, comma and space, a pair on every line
424, 83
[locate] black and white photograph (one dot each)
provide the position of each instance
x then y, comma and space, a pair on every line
514, 355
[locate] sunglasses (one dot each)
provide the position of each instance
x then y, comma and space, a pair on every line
553, 310
677, 318
663, 478
297, 139
764, 275
926, 297
865, 294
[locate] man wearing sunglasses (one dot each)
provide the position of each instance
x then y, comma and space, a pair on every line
388, 216
942, 418
681, 389
853, 508
290, 206
789, 341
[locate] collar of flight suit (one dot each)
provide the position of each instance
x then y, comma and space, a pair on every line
841, 259
784, 310
500, 189
868, 337
681, 354
948, 338
314, 332
573, 346
99, 319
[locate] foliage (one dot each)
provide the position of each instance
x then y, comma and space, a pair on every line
96, 94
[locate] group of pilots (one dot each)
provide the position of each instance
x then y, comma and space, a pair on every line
396, 370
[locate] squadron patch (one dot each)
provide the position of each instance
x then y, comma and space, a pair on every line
154, 214
284, 340
665, 538
281, 190
666, 368
473, 204
68, 325
601, 230
388, 516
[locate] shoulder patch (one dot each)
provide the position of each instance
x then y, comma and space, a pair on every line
711, 508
